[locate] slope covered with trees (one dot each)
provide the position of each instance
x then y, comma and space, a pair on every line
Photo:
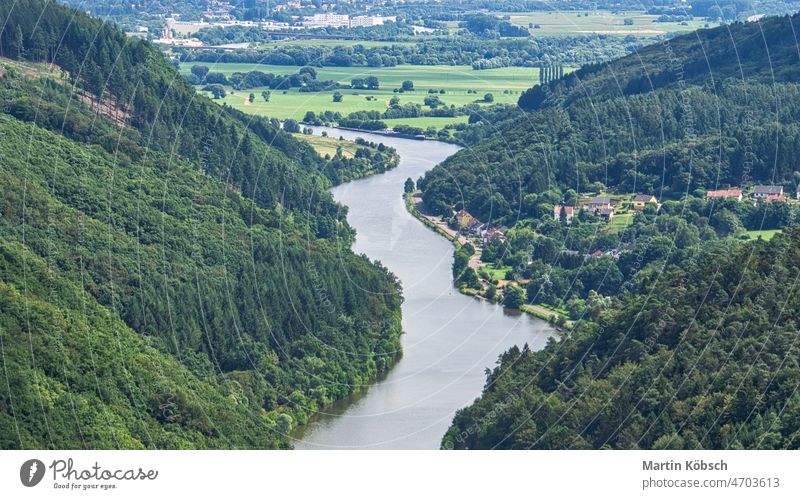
703, 354
685, 335
172, 270
708, 110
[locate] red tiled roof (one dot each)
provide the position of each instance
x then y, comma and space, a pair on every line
725, 193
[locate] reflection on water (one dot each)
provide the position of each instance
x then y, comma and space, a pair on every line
450, 339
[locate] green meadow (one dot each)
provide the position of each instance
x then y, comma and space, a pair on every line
505, 84
600, 22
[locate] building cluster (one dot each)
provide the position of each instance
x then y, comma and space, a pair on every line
291, 4
329, 20
604, 207
219, 11
768, 193
167, 37
467, 224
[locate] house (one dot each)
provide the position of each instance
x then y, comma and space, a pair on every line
797, 194
762, 191
640, 201
464, 219
569, 212
493, 233
475, 227
606, 214
777, 198
598, 203
725, 194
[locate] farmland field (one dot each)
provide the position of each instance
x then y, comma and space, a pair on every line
505, 84
600, 22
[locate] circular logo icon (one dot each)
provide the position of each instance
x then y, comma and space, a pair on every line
31, 472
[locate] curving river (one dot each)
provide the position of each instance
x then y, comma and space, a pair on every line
450, 339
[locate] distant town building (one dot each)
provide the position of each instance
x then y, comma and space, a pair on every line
762, 191
776, 198
366, 21
797, 192
725, 194
327, 20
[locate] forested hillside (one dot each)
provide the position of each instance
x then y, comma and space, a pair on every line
684, 333
172, 271
704, 354
764, 52
703, 111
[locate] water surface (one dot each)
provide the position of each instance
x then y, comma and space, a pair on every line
450, 339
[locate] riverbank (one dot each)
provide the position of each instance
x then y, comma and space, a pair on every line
413, 202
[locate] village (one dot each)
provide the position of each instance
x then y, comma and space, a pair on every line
615, 210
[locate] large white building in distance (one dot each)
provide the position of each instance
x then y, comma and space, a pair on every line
363, 21
344, 21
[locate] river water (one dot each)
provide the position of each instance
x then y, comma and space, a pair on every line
450, 339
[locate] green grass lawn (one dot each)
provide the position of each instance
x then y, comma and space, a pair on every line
494, 273
505, 84
600, 22
764, 234
553, 309
619, 222
426, 122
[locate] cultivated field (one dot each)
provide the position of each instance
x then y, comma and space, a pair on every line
505, 84
600, 22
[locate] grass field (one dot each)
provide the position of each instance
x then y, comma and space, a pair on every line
556, 23
328, 145
424, 77
495, 273
763, 234
619, 222
505, 84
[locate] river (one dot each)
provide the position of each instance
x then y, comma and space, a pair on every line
450, 339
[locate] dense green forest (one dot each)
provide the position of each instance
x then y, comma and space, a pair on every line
172, 269
468, 50
684, 331
655, 122
703, 354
